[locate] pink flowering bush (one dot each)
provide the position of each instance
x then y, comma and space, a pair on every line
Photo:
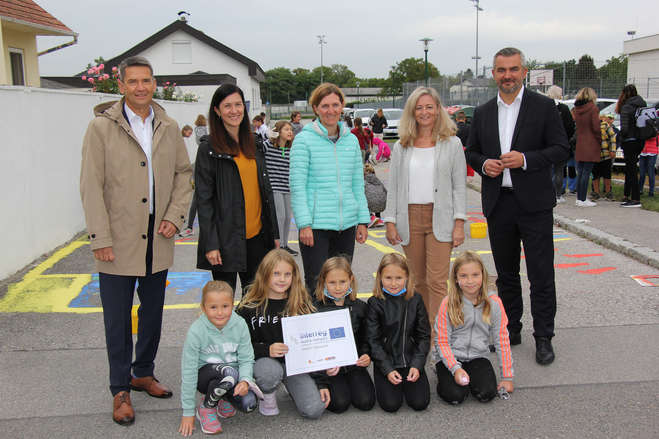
100, 81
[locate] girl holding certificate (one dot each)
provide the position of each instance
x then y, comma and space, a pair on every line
398, 333
337, 289
278, 292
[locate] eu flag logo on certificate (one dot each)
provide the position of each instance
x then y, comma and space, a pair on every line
337, 333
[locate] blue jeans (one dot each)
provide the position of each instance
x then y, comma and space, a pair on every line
583, 175
571, 181
646, 166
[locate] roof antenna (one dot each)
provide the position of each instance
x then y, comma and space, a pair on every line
183, 16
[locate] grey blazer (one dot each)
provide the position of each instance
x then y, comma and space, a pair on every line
449, 186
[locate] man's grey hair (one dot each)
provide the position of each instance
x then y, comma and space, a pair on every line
509, 51
555, 92
133, 61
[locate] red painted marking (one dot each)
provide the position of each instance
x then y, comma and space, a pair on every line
584, 255
475, 219
570, 265
474, 213
597, 270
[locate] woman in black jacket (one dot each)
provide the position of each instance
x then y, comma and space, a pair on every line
237, 220
628, 102
398, 334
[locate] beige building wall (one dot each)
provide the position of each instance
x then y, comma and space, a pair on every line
27, 42
3, 60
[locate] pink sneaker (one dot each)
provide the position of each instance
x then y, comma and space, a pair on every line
225, 409
208, 420
268, 406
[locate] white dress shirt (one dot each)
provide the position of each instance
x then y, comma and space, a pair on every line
507, 120
143, 130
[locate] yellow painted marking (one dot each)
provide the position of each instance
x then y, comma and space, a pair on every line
381, 247
562, 239
377, 233
187, 243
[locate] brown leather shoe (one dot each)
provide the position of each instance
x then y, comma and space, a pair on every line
122, 409
151, 386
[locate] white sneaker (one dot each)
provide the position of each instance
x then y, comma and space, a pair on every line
585, 203
560, 200
268, 406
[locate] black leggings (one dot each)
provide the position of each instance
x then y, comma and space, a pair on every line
390, 397
257, 248
209, 378
327, 243
482, 382
354, 386
632, 149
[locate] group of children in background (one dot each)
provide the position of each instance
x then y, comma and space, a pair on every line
236, 358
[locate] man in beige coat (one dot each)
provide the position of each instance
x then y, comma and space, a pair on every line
135, 189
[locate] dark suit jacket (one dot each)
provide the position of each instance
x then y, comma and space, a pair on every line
539, 135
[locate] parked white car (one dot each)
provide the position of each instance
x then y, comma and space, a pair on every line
393, 119
364, 113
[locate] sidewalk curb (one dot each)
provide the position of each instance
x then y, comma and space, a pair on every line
641, 254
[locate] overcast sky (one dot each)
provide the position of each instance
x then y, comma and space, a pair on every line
367, 36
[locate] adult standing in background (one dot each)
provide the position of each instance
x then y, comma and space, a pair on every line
277, 160
556, 93
135, 189
515, 139
379, 123
237, 220
365, 138
628, 102
327, 185
589, 141
296, 118
200, 131
463, 135
426, 201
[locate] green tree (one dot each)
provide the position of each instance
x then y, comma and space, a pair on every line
408, 70
279, 82
341, 75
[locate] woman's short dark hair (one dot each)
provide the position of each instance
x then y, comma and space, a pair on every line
201, 120
221, 141
294, 115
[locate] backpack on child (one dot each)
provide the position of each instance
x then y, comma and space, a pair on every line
647, 123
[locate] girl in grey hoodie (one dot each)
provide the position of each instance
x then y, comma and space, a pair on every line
469, 319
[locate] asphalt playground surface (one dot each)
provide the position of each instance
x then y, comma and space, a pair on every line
603, 384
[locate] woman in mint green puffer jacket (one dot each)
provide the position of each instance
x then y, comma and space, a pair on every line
327, 185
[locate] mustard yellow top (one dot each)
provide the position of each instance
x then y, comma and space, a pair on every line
250, 183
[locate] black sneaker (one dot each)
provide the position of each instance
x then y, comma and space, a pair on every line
290, 251
631, 204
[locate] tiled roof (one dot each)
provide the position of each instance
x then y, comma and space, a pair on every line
29, 11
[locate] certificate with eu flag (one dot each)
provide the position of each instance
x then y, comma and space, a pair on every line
318, 341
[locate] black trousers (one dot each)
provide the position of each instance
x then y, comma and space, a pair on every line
632, 149
256, 251
390, 397
209, 377
482, 382
507, 225
327, 243
117, 293
353, 387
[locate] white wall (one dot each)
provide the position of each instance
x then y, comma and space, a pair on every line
643, 64
41, 135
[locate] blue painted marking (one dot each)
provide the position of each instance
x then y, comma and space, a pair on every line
179, 283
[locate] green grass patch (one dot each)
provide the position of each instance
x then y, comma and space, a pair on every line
647, 203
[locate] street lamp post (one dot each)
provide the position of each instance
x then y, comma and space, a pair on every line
478, 8
426, 42
321, 41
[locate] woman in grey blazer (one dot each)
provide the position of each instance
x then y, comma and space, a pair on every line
426, 201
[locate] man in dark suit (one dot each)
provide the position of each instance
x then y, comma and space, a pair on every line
514, 140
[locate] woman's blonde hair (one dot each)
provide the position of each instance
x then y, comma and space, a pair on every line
274, 134
407, 129
335, 263
586, 94
455, 314
299, 301
215, 286
368, 169
323, 90
399, 261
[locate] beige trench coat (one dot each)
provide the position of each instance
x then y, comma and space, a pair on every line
114, 185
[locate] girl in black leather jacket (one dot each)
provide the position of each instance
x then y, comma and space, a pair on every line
398, 334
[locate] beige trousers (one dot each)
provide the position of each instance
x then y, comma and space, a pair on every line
428, 258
